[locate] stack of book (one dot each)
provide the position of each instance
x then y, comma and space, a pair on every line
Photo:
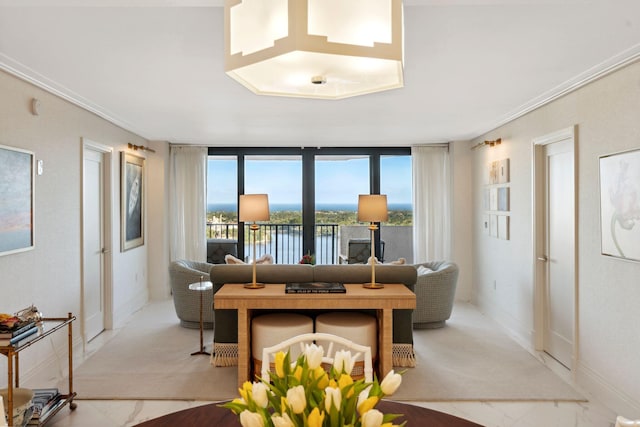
45, 400
314, 288
17, 333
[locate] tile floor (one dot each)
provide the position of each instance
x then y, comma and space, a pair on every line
123, 413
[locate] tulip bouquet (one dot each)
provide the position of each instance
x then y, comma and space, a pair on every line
303, 394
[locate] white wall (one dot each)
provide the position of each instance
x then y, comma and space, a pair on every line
606, 115
49, 276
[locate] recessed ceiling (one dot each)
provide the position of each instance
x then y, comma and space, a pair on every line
156, 68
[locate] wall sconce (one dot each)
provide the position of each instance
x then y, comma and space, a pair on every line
140, 147
488, 143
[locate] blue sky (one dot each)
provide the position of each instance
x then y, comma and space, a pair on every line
337, 181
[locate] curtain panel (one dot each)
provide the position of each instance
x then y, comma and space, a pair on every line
431, 203
188, 210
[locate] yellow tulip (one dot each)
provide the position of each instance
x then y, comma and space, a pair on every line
298, 373
316, 418
321, 374
367, 404
245, 391
344, 381
279, 362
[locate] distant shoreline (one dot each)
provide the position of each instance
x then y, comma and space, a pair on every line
333, 207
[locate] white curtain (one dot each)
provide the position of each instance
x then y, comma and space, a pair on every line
431, 203
188, 177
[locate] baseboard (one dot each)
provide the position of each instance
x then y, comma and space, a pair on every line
606, 393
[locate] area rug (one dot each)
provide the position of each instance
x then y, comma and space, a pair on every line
469, 359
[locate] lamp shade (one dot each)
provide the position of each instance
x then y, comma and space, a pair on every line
314, 48
254, 207
372, 208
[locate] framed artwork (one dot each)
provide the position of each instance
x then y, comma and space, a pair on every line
620, 204
503, 199
503, 227
131, 201
17, 200
503, 171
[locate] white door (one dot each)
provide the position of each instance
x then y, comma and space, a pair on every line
94, 246
556, 249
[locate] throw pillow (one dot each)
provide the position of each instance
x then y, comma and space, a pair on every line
230, 259
423, 270
265, 259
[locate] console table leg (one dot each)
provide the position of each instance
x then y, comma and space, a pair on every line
244, 324
385, 334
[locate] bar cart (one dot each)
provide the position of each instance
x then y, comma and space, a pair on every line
51, 325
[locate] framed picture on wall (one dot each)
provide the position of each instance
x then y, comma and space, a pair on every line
620, 204
17, 200
131, 201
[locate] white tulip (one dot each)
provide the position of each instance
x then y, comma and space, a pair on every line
297, 399
251, 419
282, 421
259, 392
332, 396
314, 355
372, 418
390, 383
343, 362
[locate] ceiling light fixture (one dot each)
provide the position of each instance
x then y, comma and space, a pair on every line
327, 49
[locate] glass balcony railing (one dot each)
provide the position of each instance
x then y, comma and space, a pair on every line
284, 241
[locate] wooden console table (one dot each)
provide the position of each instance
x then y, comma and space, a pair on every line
272, 296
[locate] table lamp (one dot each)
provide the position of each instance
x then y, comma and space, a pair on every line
254, 207
372, 208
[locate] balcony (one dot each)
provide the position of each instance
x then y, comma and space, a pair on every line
284, 241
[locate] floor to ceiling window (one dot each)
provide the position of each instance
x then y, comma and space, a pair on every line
313, 196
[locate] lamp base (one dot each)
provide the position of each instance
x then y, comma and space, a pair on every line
254, 285
373, 285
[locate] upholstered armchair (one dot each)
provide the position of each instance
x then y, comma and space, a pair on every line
435, 291
182, 273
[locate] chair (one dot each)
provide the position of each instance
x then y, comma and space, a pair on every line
186, 302
623, 422
217, 249
359, 251
268, 353
435, 292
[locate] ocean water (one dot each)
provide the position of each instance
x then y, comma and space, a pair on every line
276, 207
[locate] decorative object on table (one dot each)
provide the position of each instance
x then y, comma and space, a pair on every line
201, 287
22, 405
131, 201
308, 259
254, 207
30, 314
372, 208
620, 204
315, 288
304, 394
17, 193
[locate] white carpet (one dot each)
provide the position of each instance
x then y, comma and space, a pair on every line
467, 360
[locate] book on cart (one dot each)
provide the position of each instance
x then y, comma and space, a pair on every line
44, 401
28, 334
314, 288
17, 329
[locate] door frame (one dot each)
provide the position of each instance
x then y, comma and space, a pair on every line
539, 242
107, 271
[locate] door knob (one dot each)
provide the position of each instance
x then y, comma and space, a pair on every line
543, 258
